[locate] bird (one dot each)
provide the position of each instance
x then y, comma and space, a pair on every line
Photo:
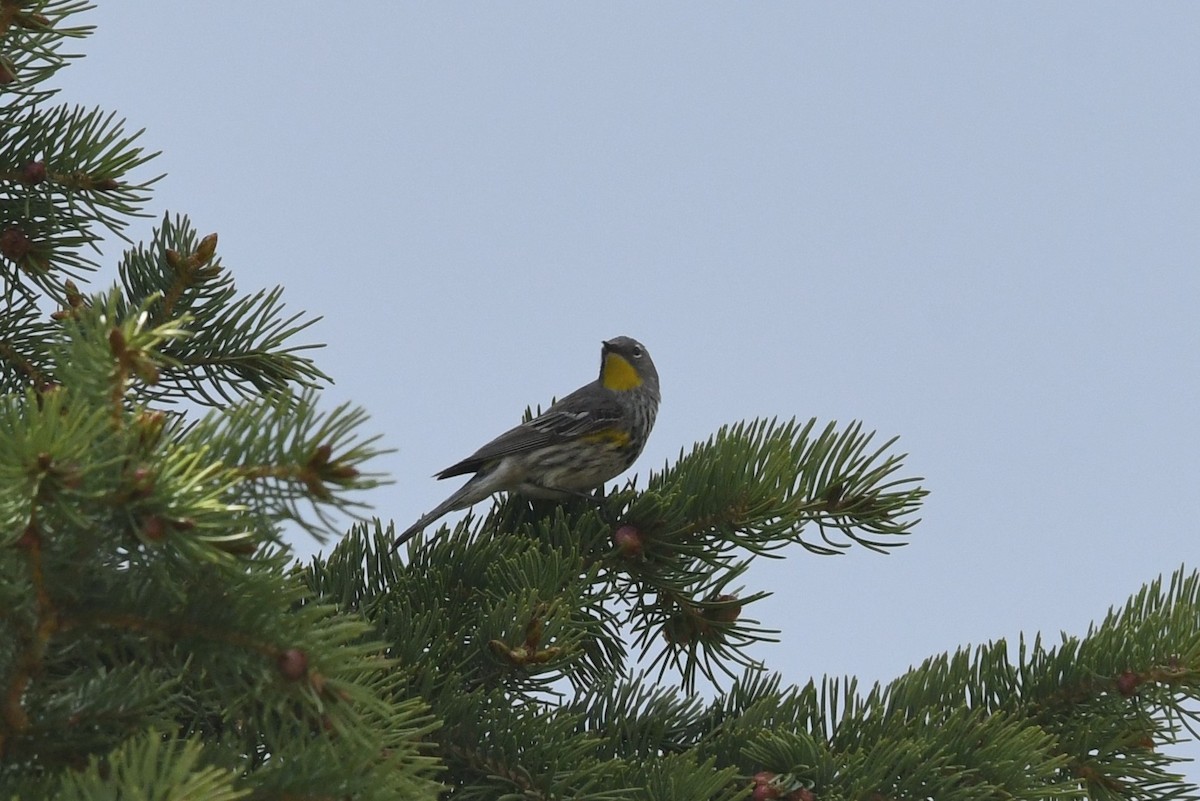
574, 446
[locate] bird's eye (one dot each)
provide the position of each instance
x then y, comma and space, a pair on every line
636, 352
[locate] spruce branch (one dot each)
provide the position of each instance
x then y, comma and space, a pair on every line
292, 461
98, 481
144, 765
152, 641
1085, 720
702, 628
31, 34
638, 719
529, 752
517, 629
243, 349
52, 460
1066, 722
751, 488
64, 172
24, 347
757, 485
80, 156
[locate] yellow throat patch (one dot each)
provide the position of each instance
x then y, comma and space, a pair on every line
618, 374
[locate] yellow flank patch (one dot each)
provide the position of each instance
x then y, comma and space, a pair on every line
618, 374
612, 436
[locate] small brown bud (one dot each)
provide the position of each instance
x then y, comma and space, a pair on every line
682, 628
1127, 683
534, 632
205, 250
629, 541
728, 612
116, 341
14, 244
833, 496
763, 787
34, 173
320, 456
75, 298
293, 664
154, 528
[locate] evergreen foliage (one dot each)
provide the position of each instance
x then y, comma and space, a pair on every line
157, 639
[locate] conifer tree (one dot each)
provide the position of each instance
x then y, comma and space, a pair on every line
157, 639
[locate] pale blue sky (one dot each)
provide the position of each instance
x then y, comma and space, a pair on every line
976, 227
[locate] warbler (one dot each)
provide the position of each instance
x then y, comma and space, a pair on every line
576, 445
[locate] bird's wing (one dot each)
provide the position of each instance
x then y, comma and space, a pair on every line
564, 420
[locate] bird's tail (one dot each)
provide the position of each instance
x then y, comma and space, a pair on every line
467, 495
